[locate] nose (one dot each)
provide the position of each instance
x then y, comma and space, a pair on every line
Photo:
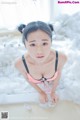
39, 50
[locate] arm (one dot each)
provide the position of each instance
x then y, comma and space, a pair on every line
19, 66
21, 69
62, 60
56, 81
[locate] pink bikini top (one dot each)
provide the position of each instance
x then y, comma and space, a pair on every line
43, 79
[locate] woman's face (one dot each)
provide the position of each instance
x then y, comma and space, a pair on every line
38, 45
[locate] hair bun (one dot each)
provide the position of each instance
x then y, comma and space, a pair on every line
51, 27
21, 28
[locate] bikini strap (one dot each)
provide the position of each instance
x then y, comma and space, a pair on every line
56, 62
24, 62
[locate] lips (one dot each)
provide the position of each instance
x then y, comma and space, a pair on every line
40, 56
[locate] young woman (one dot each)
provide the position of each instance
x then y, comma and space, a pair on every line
40, 64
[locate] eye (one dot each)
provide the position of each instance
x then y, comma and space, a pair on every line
32, 45
44, 44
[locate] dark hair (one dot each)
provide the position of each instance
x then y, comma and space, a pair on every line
51, 27
34, 26
21, 27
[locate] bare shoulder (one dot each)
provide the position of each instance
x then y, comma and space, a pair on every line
62, 60
18, 63
62, 57
20, 67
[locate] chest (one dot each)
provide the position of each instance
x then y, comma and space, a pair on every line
47, 70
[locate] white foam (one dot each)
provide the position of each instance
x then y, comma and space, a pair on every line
67, 39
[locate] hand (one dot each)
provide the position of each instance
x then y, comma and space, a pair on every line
43, 97
54, 97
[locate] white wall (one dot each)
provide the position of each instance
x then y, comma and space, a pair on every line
14, 12
57, 9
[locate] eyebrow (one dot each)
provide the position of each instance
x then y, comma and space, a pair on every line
32, 41
45, 40
35, 40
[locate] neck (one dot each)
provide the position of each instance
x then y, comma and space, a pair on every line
47, 60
